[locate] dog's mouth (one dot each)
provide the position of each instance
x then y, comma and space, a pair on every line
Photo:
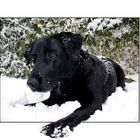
48, 87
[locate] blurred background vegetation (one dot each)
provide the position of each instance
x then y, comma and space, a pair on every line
116, 38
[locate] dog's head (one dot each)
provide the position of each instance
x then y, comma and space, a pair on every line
54, 57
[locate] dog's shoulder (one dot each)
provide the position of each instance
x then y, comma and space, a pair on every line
90, 63
95, 64
90, 59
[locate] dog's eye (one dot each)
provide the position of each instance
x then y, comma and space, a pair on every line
51, 55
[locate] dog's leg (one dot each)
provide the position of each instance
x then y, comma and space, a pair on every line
61, 127
58, 99
55, 98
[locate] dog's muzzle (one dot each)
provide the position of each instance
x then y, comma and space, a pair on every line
33, 83
37, 84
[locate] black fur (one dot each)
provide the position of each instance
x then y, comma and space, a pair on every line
60, 65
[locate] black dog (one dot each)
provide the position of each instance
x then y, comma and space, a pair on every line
60, 65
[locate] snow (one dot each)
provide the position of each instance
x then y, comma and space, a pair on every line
94, 24
99, 23
17, 94
88, 131
121, 106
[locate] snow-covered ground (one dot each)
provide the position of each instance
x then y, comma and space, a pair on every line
120, 107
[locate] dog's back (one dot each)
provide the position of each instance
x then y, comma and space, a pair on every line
118, 69
114, 74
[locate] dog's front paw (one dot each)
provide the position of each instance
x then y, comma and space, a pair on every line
56, 130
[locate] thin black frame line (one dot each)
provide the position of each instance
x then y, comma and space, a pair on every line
72, 17
139, 74
81, 122
0, 100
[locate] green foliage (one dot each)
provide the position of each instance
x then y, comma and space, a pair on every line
116, 38
129, 80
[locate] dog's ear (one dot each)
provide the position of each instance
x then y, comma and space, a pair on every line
72, 43
28, 52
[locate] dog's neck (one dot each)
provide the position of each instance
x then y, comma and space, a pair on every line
70, 72
77, 68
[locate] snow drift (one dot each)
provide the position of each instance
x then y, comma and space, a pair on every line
120, 107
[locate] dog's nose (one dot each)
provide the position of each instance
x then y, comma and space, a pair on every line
33, 83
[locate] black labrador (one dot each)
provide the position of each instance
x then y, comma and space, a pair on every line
60, 65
